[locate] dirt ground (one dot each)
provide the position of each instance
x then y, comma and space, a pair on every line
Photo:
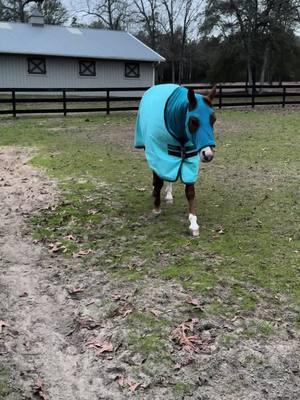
49, 320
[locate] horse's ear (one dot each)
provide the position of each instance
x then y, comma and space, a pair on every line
212, 93
192, 99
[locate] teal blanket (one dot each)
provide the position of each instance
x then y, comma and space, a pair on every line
162, 130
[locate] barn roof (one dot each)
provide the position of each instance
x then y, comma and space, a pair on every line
62, 41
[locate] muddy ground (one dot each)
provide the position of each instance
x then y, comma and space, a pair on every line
63, 333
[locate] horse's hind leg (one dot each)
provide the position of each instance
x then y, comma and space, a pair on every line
157, 186
190, 195
168, 190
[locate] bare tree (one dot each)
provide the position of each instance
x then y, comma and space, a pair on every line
113, 14
146, 12
54, 12
191, 13
14, 10
172, 9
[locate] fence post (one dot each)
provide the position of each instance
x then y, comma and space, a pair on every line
64, 103
13, 101
107, 103
283, 96
220, 96
253, 96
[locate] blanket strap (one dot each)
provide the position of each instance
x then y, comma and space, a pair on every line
181, 152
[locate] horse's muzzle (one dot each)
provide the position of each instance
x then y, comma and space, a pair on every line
207, 154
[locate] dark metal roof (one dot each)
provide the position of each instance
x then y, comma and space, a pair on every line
62, 41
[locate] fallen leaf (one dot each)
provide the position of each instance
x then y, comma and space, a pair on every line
39, 391
123, 382
101, 345
3, 324
70, 237
75, 290
180, 336
82, 252
155, 312
92, 212
55, 247
126, 312
133, 386
194, 302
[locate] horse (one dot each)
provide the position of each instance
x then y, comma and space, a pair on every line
175, 127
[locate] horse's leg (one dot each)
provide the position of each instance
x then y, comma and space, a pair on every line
190, 195
168, 190
157, 186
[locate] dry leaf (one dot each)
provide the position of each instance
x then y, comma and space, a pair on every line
133, 386
75, 290
38, 390
3, 325
194, 302
101, 345
82, 252
70, 237
123, 382
180, 336
92, 212
155, 312
55, 247
126, 312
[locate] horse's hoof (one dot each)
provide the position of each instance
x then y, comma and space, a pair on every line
156, 212
194, 232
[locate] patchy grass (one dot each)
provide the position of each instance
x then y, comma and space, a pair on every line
248, 206
4, 388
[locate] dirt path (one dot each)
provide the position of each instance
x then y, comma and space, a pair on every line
33, 303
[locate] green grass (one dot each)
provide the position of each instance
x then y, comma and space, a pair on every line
248, 205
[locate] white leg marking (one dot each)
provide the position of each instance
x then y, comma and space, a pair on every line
156, 212
168, 190
194, 227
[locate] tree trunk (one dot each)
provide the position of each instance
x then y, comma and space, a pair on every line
265, 64
173, 71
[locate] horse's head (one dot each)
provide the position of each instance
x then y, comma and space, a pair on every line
199, 125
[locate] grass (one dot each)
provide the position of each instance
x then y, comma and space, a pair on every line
248, 205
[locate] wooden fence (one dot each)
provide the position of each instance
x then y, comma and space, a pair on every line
14, 101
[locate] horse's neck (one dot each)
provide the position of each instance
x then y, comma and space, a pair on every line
175, 113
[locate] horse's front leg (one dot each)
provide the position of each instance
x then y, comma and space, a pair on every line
190, 195
157, 186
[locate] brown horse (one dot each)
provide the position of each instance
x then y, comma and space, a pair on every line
175, 127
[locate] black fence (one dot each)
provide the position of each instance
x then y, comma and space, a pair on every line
14, 101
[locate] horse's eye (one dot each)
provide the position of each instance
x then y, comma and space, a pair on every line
212, 119
194, 124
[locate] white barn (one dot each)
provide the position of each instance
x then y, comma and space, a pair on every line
34, 55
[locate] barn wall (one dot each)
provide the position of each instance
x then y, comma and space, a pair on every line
64, 72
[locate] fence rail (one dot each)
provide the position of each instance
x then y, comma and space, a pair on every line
30, 101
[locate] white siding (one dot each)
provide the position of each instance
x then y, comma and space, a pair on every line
64, 72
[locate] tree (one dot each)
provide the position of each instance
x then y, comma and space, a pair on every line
19, 10
54, 12
146, 13
256, 21
113, 14
14, 10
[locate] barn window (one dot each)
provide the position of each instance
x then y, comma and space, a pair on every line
132, 70
87, 68
36, 65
